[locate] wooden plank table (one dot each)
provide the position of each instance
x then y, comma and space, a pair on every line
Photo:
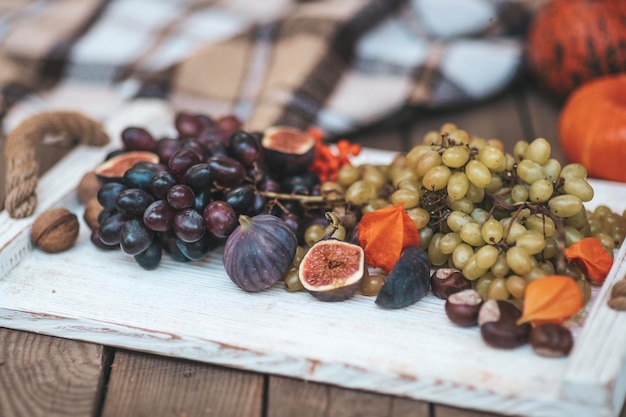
47, 376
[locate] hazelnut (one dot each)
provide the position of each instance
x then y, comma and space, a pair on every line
551, 340
462, 307
55, 230
498, 325
88, 187
93, 208
447, 281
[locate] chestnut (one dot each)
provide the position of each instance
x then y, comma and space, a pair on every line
498, 325
447, 281
462, 307
551, 340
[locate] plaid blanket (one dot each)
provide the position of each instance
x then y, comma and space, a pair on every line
337, 64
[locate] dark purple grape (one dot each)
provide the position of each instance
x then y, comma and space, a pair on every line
135, 237
245, 148
181, 196
299, 184
195, 251
229, 123
189, 225
202, 199
150, 166
133, 202
293, 222
258, 206
161, 184
205, 121
151, 257
187, 125
168, 241
213, 134
138, 139
97, 241
194, 145
227, 172
220, 218
181, 161
138, 177
240, 198
110, 229
108, 193
166, 148
104, 214
199, 177
269, 184
159, 216
215, 149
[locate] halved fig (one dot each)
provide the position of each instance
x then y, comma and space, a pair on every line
288, 150
332, 270
113, 169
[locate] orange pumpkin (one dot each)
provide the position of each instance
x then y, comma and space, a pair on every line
592, 127
573, 41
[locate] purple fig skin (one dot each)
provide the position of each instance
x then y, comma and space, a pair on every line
259, 252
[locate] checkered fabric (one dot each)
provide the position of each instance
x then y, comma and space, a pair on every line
337, 64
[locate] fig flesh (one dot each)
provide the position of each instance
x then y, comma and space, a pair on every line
113, 169
332, 270
259, 251
288, 150
408, 281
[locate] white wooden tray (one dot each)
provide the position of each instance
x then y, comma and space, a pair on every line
194, 311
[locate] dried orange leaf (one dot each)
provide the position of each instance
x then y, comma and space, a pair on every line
383, 235
591, 257
551, 299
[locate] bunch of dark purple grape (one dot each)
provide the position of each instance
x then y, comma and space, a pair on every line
188, 203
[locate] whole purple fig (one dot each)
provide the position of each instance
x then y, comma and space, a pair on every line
259, 251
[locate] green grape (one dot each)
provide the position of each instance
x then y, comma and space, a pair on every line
534, 273
574, 170
492, 231
541, 223
531, 241
519, 149
459, 137
461, 255
540, 191
471, 270
458, 184
579, 188
482, 285
470, 233
292, 281
547, 267
329, 188
374, 176
519, 260
579, 220
500, 268
434, 254
538, 151
360, 192
496, 183
410, 185
449, 242
519, 193
510, 162
493, 158
516, 286
513, 230
572, 235
410, 199
457, 219
455, 156
475, 194
498, 290
529, 171
565, 205
486, 256
313, 234
479, 215
436, 178
432, 137
428, 160
347, 175
478, 174
551, 248
606, 240
419, 216
463, 205
552, 169
426, 236
399, 175
375, 204
618, 233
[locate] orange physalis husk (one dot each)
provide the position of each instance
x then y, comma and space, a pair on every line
383, 235
589, 255
328, 161
551, 299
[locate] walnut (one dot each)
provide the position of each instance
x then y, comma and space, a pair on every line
93, 208
88, 187
55, 230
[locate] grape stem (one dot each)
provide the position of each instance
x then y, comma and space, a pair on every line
305, 199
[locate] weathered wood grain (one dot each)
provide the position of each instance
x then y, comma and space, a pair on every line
48, 376
290, 397
147, 385
447, 411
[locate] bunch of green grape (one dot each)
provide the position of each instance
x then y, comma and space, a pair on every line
502, 219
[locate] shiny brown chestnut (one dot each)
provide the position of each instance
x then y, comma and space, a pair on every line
462, 307
551, 340
447, 281
498, 325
